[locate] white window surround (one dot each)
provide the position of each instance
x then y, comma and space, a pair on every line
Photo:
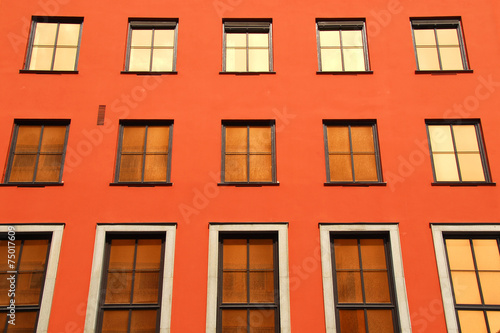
96, 276
52, 263
213, 256
442, 264
397, 266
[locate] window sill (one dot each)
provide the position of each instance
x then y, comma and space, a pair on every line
359, 184
245, 73
28, 71
463, 184
438, 72
148, 73
152, 184
343, 72
256, 184
41, 184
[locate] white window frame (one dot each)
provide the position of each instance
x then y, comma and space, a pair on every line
52, 263
397, 265
213, 256
442, 264
97, 271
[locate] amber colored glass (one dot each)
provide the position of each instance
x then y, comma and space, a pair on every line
459, 254
49, 168
122, 254
45, 33
131, 168
34, 254
465, 138
53, 139
338, 139
352, 321
234, 287
451, 58
119, 287
234, 321
143, 321
146, 286
261, 286
260, 139
445, 167
115, 321
28, 139
235, 168
4, 289
4, 265
380, 321
465, 287
490, 282
234, 254
472, 322
236, 139
487, 254
376, 287
262, 321
349, 287
3, 318
157, 140
261, 168
25, 322
65, 59
340, 168
362, 139
261, 254
373, 254
471, 167
346, 254
148, 254
41, 58
28, 288
494, 321
133, 139
365, 168
155, 168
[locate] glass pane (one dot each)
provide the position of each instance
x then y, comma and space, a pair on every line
65, 59
122, 254
235, 168
130, 168
49, 168
139, 59
68, 34
352, 38
234, 254
494, 321
445, 167
234, 287
261, 287
4, 290
163, 60
146, 285
346, 253
487, 255
28, 288
258, 40
447, 36
260, 139
427, 58
53, 139
236, 60
119, 287
349, 287
490, 287
164, 37
465, 138
471, 167
143, 321
451, 58
28, 139
373, 254
472, 322
376, 287
155, 169
141, 37
262, 321
115, 321
148, 254
258, 60
133, 139
261, 254
25, 322
45, 34
41, 58
261, 168
338, 139
23, 168
236, 139
352, 321
465, 288
234, 321
158, 137
329, 38
459, 254
362, 139
34, 255
365, 168
3, 319
380, 321
354, 60
424, 37
340, 168
331, 60
236, 40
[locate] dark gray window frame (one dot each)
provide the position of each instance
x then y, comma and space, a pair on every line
480, 143
350, 123
146, 123
151, 24
247, 26
339, 25
248, 124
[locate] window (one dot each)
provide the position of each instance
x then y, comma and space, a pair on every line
33, 252
152, 46
37, 152
54, 44
248, 152
439, 45
342, 46
468, 260
363, 279
352, 154
131, 282
457, 151
144, 152
247, 46
248, 288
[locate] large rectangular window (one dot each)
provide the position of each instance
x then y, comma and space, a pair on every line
37, 152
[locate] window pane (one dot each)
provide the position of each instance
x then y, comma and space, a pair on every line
155, 169
148, 254
445, 167
472, 322
133, 139
236, 139
340, 168
234, 287
331, 60
28, 288
465, 138
34, 254
260, 139
163, 60
53, 139
362, 139
45, 34
329, 38
380, 321
65, 59
365, 168
234, 254
258, 40
262, 321
373, 254
41, 58
236, 40
158, 137
376, 287
447, 36
139, 59
471, 167
424, 37
236, 60
354, 60
465, 287
261, 168
451, 58
489, 286
349, 287
346, 254
49, 168
352, 38
164, 37
352, 321
494, 321
115, 321
23, 167
486, 253
143, 321
234, 321
258, 60
119, 287
338, 139
459, 254
122, 254
261, 286
130, 168
68, 34
235, 168
28, 138
141, 37
25, 322
146, 286
427, 58
261, 254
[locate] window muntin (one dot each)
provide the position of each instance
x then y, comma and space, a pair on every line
54, 44
248, 152
37, 152
342, 46
457, 152
144, 152
439, 45
247, 47
352, 153
152, 46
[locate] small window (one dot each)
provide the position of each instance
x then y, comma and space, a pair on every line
352, 153
248, 152
54, 44
342, 46
37, 152
439, 45
247, 47
457, 151
152, 46
144, 152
